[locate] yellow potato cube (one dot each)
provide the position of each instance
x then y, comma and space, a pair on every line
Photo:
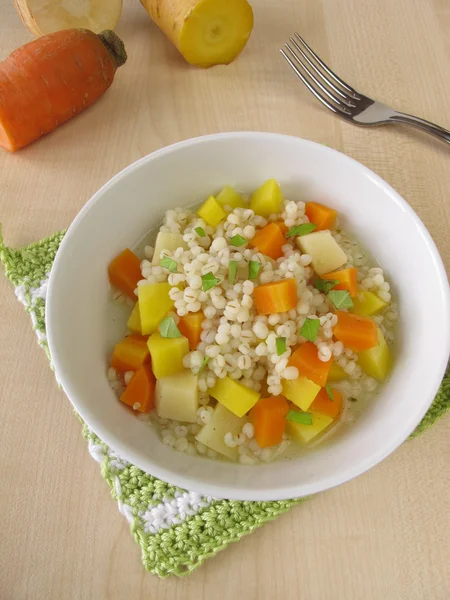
223, 421
376, 362
268, 199
154, 304
169, 242
230, 197
134, 322
233, 395
167, 354
366, 304
326, 253
336, 373
305, 433
176, 397
301, 391
211, 212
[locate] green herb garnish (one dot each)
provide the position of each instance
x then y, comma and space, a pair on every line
200, 231
232, 271
325, 285
169, 264
209, 281
238, 240
253, 269
203, 365
302, 229
329, 392
168, 328
305, 418
310, 329
281, 345
353, 399
340, 298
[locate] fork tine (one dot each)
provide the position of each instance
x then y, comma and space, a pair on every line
306, 82
345, 98
343, 104
327, 69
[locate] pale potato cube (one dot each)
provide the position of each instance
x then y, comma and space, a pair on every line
301, 391
167, 241
222, 422
305, 433
176, 397
325, 252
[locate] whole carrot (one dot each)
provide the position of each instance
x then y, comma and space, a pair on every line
50, 80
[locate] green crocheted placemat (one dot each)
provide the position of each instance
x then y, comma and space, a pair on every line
176, 529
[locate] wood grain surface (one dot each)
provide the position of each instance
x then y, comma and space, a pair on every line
383, 536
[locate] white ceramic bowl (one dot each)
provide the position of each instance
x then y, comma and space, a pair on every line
81, 331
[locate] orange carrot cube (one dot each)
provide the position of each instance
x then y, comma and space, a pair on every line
306, 359
348, 280
140, 392
191, 327
323, 404
269, 240
268, 419
130, 354
125, 272
320, 215
275, 297
357, 333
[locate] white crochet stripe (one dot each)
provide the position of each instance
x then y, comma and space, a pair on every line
170, 511
173, 511
35, 293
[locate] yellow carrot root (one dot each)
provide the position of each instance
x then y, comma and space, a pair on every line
206, 32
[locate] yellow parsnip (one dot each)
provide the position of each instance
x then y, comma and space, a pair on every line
206, 32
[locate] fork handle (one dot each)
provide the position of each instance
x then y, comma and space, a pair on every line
427, 126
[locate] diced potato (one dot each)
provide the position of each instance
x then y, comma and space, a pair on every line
176, 397
154, 304
230, 197
242, 271
134, 322
301, 391
222, 422
376, 362
336, 373
167, 354
366, 304
167, 241
236, 397
268, 199
211, 212
326, 253
305, 433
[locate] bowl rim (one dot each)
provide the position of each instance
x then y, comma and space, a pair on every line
219, 490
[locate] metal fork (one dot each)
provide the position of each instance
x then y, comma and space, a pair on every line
342, 99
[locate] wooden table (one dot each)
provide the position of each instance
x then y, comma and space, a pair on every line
384, 535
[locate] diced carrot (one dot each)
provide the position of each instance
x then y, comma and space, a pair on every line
306, 359
125, 272
275, 297
140, 392
130, 354
284, 229
269, 240
191, 327
357, 333
348, 280
323, 404
320, 215
268, 419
